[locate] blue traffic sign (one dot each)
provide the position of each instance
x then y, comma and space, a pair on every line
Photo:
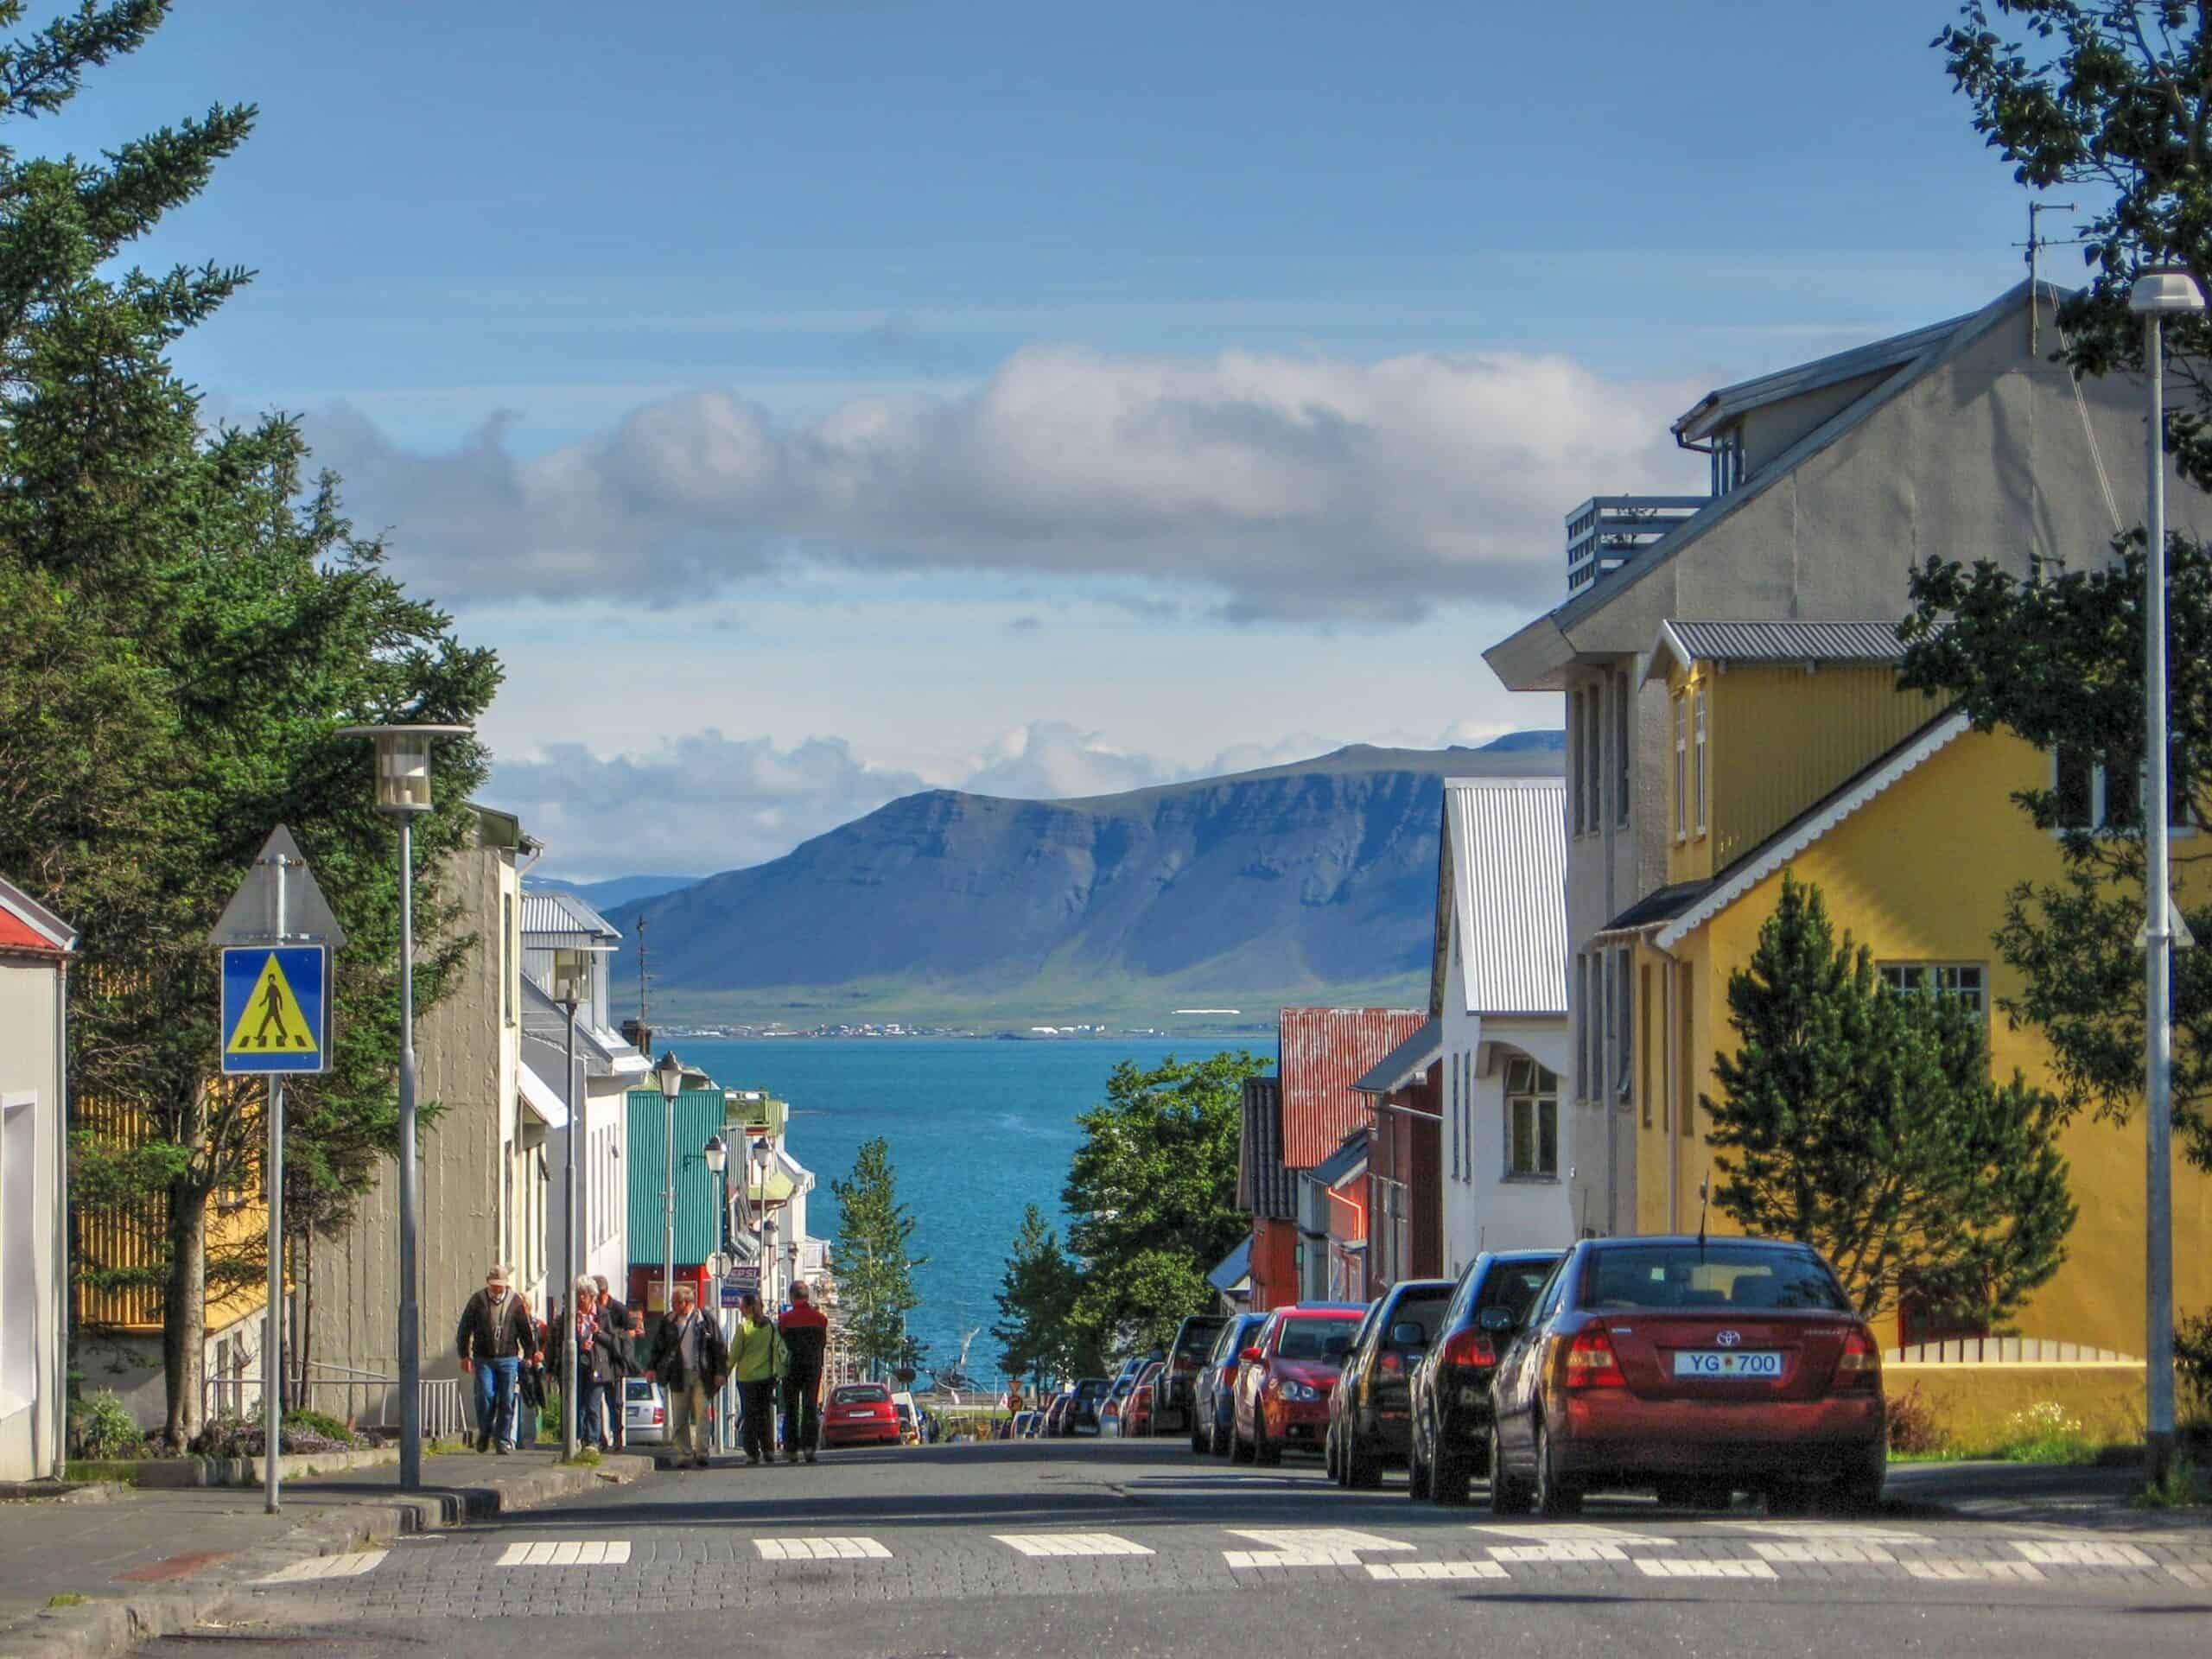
275, 1009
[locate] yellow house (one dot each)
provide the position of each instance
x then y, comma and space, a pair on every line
1793, 750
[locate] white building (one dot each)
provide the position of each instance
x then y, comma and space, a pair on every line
1499, 987
34, 949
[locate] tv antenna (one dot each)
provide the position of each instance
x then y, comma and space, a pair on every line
2036, 243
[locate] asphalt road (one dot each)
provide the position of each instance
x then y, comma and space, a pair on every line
1104, 1548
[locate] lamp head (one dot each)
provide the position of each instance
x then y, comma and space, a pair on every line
404, 763
717, 1154
764, 1156
2165, 291
670, 1073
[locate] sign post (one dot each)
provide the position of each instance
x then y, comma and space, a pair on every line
275, 936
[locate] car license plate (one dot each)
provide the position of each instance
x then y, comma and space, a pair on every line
1727, 1362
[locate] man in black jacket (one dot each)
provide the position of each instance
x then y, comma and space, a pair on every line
494, 1339
690, 1359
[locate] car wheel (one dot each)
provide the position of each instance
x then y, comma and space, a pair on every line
1416, 1473
1362, 1471
1199, 1446
1507, 1496
1448, 1475
1240, 1449
1555, 1497
1858, 1494
1217, 1441
1265, 1451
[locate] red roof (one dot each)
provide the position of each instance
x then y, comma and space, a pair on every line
1323, 1054
28, 928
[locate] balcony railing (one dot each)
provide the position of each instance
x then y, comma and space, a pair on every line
1607, 531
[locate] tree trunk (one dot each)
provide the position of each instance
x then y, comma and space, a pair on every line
184, 1312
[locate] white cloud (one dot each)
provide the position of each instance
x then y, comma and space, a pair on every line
1305, 485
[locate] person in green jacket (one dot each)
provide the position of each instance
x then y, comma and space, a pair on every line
756, 1360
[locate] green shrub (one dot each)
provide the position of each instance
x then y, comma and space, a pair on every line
2043, 1433
2193, 1361
104, 1427
316, 1422
1913, 1431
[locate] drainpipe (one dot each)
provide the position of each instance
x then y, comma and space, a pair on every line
58, 1432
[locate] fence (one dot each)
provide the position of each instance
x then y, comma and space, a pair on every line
367, 1401
2007, 1350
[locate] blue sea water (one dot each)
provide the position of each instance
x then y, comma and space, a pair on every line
978, 1129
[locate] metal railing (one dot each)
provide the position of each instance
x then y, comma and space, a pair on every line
2007, 1350
365, 1401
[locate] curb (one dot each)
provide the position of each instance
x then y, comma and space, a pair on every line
100, 1629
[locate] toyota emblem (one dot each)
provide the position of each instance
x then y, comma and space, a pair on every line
1729, 1338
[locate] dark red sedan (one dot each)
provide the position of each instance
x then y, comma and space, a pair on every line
1692, 1368
861, 1414
1282, 1391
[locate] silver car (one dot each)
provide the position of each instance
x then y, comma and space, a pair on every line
645, 1412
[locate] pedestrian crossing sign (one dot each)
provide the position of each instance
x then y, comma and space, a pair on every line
275, 1008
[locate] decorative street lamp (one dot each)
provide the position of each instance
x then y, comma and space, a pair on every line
2160, 292
764, 1159
571, 987
669, 1072
717, 1155
403, 789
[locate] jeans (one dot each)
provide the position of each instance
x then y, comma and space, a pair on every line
495, 1399
610, 1406
802, 1413
758, 1426
591, 1398
686, 1419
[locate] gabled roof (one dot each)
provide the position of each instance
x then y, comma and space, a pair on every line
1808, 826
1662, 905
1323, 1054
1717, 409
1346, 1161
1263, 1186
29, 928
1232, 1269
1405, 1062
1682, 643
548, 911
1506, 839
604, 1053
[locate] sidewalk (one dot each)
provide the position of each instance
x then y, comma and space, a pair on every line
2031, 1494
155, 1560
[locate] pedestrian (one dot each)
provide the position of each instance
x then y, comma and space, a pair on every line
494, 1338
596, 1357
756, 1359
806, 1335
614, 1431
690, 1360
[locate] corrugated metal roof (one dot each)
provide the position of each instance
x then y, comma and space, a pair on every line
1405, 1062
1507, 841
1685, 643
1263, 1186
550, 910
1323, 1054
1717, 409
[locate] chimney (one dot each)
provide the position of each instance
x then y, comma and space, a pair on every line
638, 1035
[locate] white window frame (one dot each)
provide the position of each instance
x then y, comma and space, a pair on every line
1624, 744
1698, 699
1541, 1104
1680, 714
1950, 976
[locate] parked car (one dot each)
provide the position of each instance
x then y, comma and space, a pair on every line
1690, 1367
1173, 1409
1450, 1389
1141, 1410
1282, 1391
1090, 1394
1017, 1426
1059, 1415
860, 1414
1369, 1409
645, 1412
1215, 1403
910, 1424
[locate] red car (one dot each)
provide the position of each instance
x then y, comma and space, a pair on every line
860, 1414
1690, 1367
1139, 1409
1282, 1389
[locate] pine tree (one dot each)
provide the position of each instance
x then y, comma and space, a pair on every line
1035, 1297
874, 1267
1863, 1122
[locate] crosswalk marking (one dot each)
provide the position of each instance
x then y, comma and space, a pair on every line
2090, 1554
1572, 1531
1830, 1550
1305, 1547
605, 1551
821, 1549
2197, 1577
1828, 1531
1069, 1543
1658, 1566
349, 1564
1961, 1572
1565, 1549
1403, 1570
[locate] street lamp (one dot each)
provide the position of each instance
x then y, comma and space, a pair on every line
715, 1154
403, 789
2160, 292
571, 987
669, 1072
764, 1159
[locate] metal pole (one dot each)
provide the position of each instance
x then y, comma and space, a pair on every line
667, 1218
2158, 950
272, 1336
410, 1197
570, 1267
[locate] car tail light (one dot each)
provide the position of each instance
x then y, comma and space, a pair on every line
657, 1415
1392, 1363
1861, 1365
1591, 1363
1471, 1347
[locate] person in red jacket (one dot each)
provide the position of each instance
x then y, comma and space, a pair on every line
806, 1338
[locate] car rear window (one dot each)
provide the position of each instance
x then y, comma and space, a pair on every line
1310, 1338
637, 1387
1514, 1285
860, 1394
1426, 1312
1197, 1336
1688, 1276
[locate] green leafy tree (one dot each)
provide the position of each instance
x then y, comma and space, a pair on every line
1864, 1122
187, 617
873, 1261
1153, 1190
1035, 1298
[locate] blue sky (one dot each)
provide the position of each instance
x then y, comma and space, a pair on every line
814, 400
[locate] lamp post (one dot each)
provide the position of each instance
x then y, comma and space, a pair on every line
2160, 292
403, 755
569, 971
669, 1072
764, 1159
717, 1154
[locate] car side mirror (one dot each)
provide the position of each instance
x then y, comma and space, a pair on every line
1409, 1333
1250, 1355
1499, 1321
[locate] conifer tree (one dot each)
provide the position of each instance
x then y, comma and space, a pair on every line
1862, 1121
1035, 1297
871, 1259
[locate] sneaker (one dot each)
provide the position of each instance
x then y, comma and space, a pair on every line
483, 1444
810, 1457
502, 1448
752, 1461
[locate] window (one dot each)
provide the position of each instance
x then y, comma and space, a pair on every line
1594, 756
1643, 1025
1701, 786
1621, 751
1727, 454
1531, 1122
1455, 1116
1623, 1031
1686, 1101
1582, 1025
2087, 799
507, 973
1682, 716
1961, 979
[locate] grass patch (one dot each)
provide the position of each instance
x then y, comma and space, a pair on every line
111, 1474
66, 1598
444, 1448
2185, 1487
587, 1457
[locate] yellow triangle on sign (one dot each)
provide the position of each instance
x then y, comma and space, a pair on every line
272, 1022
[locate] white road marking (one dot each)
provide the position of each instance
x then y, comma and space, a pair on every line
349, 1564
1574, 1532
1658, 1567
1069, 1543
1565, 1549
2197, 1577
821, 1549
1828, 1531
1832, 1550
2086, 1553
1305, 1547
1401, 1571
605, 1551
1958, 1572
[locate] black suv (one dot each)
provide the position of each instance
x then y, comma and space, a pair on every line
1450, 1387
1175, 1396
1368, 1409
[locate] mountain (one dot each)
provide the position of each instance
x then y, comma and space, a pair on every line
1304, 882
615, 890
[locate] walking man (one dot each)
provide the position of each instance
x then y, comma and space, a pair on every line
690, 1359
806, 1335
494, 1339
756, 1358
612, 1432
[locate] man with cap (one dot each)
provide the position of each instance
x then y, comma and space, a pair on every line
690, 1359
806, 1337
494, 1338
